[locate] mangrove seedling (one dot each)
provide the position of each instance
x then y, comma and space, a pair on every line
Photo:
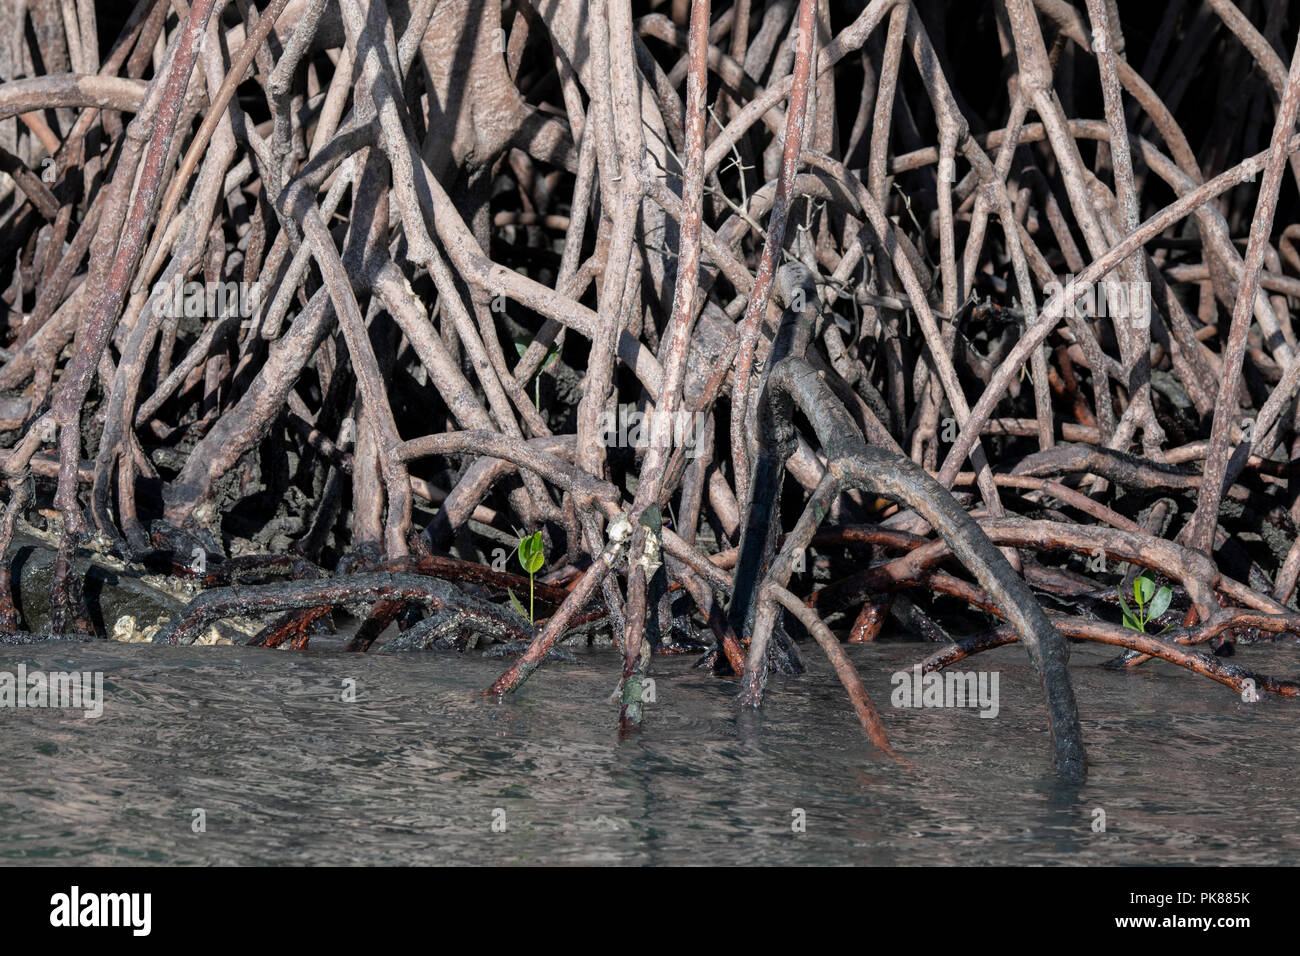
1151, 603
531, 557
551, 356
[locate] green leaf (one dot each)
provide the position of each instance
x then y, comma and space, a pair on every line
521, 348
517, 604
1143, 589
550, 360
1130, 619
1160, 603
531, 553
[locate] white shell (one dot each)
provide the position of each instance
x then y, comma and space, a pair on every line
620, 529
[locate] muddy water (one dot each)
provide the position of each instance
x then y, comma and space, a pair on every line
418, 768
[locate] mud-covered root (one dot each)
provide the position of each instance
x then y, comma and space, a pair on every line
340, 591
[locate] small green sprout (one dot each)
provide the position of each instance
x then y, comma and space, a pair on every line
1151, 603
551, 356
531, 557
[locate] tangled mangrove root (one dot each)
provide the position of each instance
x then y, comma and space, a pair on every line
327, 304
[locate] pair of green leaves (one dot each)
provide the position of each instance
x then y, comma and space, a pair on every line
532, 554
551, 355
1151, 603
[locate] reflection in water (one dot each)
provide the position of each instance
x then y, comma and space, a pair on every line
418, 767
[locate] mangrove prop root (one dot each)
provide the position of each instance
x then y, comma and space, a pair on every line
1168, 646
853, 463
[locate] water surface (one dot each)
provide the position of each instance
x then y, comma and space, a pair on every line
417, 769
